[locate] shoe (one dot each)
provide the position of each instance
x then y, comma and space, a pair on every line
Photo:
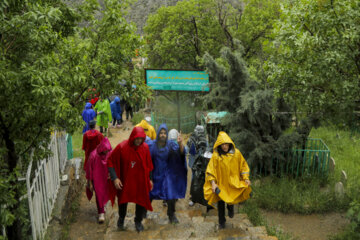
101, 218
139, 227
120, 224
173, 219
164, 203
231, 212
221, 225
191, 203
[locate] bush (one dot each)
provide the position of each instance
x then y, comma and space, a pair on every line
137, 118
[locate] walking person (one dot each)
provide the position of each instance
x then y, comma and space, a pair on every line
103, 114
170, 171
116, 111
97, 176
149, 130
129, 166
91, 139
88, 114
227, 177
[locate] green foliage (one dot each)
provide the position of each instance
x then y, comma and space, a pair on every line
353, 230
137, 118
315, 57
50, 55
255, 121
303, 196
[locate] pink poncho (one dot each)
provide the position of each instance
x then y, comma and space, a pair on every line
97, 171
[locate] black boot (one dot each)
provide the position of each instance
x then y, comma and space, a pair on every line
120, 224
173, 219
139, 227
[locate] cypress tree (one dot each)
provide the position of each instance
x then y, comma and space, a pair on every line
256, 119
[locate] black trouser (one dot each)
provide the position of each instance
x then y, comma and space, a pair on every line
171, 207
139, 210
102, 129
221, 211
129, 111
117, 120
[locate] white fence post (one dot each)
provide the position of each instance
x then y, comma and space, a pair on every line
43, 187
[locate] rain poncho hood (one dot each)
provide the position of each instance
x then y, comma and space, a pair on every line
132, 165
229, 171
104, 113
116, 109
91, 140
97, 172
149, 130
88, 114
170, 171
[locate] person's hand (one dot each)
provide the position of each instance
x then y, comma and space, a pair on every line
247, 182
118, 184
213, 186
90, 186
151, 185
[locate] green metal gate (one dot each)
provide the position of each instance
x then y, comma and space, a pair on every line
187, 122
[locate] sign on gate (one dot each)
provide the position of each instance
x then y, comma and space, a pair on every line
177, 80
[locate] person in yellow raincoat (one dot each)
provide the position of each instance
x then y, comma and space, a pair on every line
148, 129
227, 177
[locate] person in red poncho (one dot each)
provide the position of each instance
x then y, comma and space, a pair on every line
130, 166
91, 139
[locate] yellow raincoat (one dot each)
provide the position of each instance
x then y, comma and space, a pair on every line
229, 171
148, 129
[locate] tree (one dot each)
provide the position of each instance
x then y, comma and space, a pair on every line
315, 59
51, 54
255, 117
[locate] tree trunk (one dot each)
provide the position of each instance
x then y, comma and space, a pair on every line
13, 231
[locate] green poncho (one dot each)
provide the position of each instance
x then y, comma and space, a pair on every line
103, 113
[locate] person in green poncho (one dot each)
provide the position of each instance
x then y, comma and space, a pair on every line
103, 110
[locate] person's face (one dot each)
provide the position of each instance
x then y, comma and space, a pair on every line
225, 147
104, 152
162, 135
138, 141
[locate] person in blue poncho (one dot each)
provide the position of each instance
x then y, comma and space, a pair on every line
88, 114
170, 171
116, 111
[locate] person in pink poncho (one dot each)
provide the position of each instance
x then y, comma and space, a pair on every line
97, 176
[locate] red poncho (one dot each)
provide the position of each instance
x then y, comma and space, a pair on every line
132, 165
91, 139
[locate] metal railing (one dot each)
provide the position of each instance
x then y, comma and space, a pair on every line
44, 183
308, 160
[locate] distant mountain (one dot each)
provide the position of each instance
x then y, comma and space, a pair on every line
141, 9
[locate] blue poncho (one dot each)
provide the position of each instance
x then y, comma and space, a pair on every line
116, 109
88, 114
170, 171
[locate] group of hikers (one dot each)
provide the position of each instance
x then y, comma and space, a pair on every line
106, 111
153, 166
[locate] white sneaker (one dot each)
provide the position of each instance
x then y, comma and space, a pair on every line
101, 218
191, 203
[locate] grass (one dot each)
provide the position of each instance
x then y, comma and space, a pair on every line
304, 196
345, 149
77, 144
